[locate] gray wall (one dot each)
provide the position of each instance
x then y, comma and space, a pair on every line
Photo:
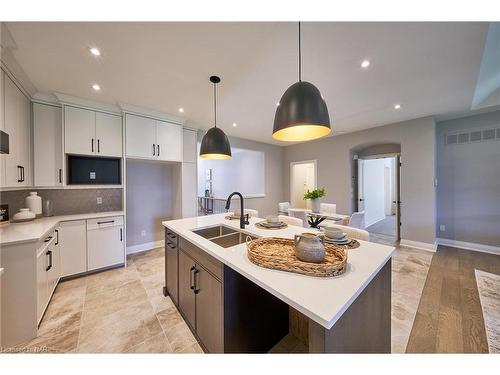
469, 183
150, 195
274, 175
336, 172
67, 201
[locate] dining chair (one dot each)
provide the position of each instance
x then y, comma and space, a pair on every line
357, 220
291, 220
300, 214
250, 212
328, 209
359, 234
283, 208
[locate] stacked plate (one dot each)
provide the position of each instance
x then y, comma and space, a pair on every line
269, 225
344, 240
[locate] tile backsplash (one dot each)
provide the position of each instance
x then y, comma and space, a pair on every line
67, 201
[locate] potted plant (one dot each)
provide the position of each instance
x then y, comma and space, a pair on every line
314, 196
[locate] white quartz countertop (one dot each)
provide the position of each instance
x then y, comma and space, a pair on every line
16, 233
323, 300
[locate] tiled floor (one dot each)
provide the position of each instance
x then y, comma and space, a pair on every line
118, 311
124, 311
385, 227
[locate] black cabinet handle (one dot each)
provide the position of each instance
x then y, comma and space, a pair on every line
60, 175
121, 234
48, 239
23, 173
171, 235
154, 149
57, 237
19, 173
49, 253
172, 246
196, 290
98, 145
158, 149
92, 144
191, 277
105, 222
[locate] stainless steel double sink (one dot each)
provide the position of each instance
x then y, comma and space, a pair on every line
223, 236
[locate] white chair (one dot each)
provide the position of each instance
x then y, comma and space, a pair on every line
357, 220
291, 220
250, 212
359, 234
328, 209
300, 214
283, 208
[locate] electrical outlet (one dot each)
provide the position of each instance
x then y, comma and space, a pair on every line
92, 175
143, 233
99, 200
442, 228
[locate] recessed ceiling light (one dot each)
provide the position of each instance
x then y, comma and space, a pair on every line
181, 110
234, 125
96, 87
365, 64
94, 51
397, 106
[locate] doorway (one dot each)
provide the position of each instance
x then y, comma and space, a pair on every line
379, 195
303, 177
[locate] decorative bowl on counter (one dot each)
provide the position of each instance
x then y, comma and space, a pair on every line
23, 215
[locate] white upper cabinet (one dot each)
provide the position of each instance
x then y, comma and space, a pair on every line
168, 141
47, 145
147, 138
189, 150
17, 115
93, 133
108, 129
141, 136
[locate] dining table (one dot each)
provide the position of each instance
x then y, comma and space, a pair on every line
314, 219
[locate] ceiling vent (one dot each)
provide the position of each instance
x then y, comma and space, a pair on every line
472, 136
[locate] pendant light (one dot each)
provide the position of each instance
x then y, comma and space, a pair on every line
215, 144
302, 114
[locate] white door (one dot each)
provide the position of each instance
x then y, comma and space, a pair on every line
105, 244
303, 178
169, 141
140, 137
79, 131
54, 272
108, 129
189, 151
189, 196
47, 145
73, 247
361, 186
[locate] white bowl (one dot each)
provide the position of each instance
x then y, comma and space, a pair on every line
24, 214
335, 233
272, 219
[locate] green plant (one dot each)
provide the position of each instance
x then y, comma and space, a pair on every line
314, 194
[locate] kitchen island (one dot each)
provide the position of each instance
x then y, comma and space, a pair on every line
233, 305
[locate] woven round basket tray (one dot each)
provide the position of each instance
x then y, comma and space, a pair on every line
279, 254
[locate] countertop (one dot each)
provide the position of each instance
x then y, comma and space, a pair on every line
323, 300
16, 233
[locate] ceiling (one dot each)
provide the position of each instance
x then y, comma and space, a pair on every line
428, 68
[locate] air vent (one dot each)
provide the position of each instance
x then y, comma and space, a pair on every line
463, 138
488, 134
452, 139
475, 136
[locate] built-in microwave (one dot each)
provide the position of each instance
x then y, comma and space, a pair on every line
85, 170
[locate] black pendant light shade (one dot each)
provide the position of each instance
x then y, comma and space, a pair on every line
215, 144
301, 115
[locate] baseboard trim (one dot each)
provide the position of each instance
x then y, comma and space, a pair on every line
419, 245
145, 246
469, 246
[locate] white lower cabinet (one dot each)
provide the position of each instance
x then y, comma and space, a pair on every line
73, 245
47, 273
105, 242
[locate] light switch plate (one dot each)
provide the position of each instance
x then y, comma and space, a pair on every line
442, 228
99, 200
92, 175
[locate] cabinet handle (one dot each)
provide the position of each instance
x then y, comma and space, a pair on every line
98, 145
60, 175
105, 222
154, 149
49, 253
48, 239
196, 290
158, 150
92, 144
172, 246
191, 277
57, 237
121, 234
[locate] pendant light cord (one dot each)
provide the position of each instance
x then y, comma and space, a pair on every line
300, 58
215, 105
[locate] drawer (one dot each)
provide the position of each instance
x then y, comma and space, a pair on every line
208, 262
112, 221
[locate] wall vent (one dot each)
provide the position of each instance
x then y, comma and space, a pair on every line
472, 136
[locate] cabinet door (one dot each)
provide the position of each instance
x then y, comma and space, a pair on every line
169, 141
189, 146
2, 126
47, 145
108, 129
41, 283
209, 311
140, 136
105, 247
189, 190
79, 131
172, 255
54, 273
187, 300
73, 247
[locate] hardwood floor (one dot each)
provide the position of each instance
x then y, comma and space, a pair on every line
449, 317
